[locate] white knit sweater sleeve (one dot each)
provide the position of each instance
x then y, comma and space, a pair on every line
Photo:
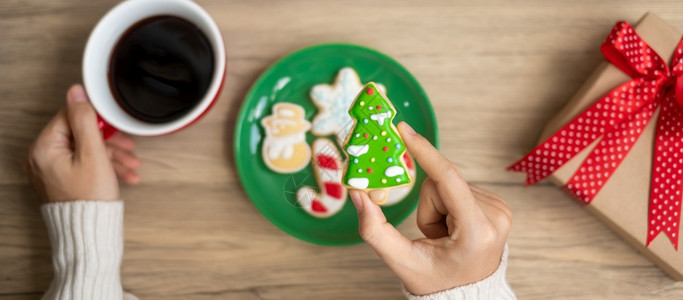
493, 287
87, 248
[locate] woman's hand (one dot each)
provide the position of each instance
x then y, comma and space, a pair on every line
70, 161
466, 227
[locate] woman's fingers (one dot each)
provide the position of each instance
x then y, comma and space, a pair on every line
128, 159
453, 190
495, 208
121, 140
437, 166
55, 136
119, 149
407, 259
126, 174
431, 213
390, 245
83, 123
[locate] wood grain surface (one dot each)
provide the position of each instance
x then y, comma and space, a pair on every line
495, 71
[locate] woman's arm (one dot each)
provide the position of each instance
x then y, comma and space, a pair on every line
69, 161
463, 254
87, 247
493, 287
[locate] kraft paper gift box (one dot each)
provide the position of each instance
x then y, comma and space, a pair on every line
623, 202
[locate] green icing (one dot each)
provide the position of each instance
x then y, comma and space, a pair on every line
375, 135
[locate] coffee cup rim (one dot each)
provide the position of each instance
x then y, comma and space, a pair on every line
102, 42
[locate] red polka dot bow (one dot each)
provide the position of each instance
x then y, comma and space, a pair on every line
617, 120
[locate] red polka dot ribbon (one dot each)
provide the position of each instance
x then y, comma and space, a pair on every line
616, 121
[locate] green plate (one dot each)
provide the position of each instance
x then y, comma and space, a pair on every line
291, 80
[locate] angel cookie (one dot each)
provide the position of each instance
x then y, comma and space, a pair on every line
333, 102
327, 167
374, 148
285, 149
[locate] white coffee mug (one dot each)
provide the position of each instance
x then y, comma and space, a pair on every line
104, 38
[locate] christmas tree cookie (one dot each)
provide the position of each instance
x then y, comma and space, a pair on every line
374, 148
400, 193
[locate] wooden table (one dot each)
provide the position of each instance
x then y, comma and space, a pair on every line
495, 71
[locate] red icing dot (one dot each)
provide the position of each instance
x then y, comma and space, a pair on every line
378, 107
327, 162
385, 149
370, 91
369, 170
408, 161
366, 135
333, 189
316, 206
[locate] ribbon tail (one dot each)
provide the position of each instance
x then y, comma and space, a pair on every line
677, 70
607, 112
607, 155
667, 172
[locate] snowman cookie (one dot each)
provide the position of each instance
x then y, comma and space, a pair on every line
333, 102
284, 148
327, 167
374, 148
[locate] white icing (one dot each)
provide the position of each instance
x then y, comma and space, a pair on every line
380, 117
359, 183
393, 171
283, 146
334, 101
282, 118
279, 124
399, 193
287, 112
357, 150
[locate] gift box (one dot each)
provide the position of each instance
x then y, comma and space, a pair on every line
617, 146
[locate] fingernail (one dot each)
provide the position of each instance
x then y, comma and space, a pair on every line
407, 129
77, 94
356, 199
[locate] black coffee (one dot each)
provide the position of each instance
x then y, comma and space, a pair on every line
160, 68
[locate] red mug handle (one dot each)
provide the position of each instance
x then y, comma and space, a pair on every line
106, 129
